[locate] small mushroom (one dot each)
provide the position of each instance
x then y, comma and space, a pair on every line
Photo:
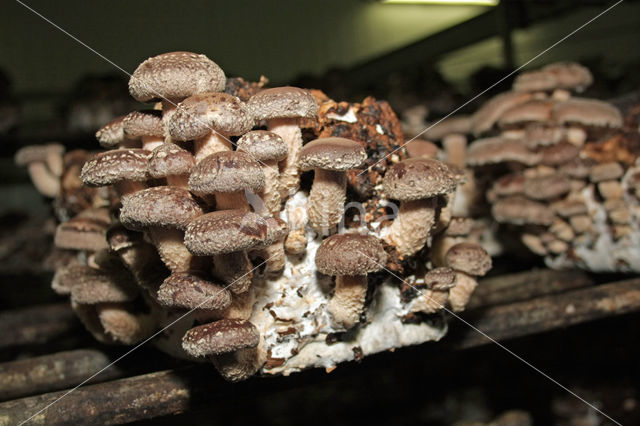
98, 286
172, 163
519, 210
210, 119
124, 168
172, 77
469, 261
267, 148
45, 164
416, 183
226, 235
146, 126
500, 150
163, 212
111, 135
272, 250
186, 290
283, 107
123, 324
486, 117
349, 257
85, 231
227, 175
438, 282
330, 158
220, 337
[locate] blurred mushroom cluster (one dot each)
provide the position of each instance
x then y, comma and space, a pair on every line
202, 219
558, 170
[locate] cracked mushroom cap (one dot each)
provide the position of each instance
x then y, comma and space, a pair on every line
350, 254
262, 145
418, 178
189, 291
223, 336
532, 111
107, 168
112, 133
457, 124
225, 231
96, 286
442, 278
486, 117
175, 75
338, 154
469, 258
500, 150
587, 112
519, 210
283, 102
86, 231
169, 159
37, 153
199, 115
162, 206
138, 124
227, 171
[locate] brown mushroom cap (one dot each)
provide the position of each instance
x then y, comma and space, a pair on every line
283, 102
442, 278
263, 145
32, 153
485, 118
227, 171
500, 150
84, 232
587, 112
519, 210
276, 230
138, 124
558, 154
605, 171
164, 206
200, 114
568, 208
97, 286
547, 187
112, 133
469, 258
418, 178
175, 75
332, 153
534, 110
189, 291
560, 75
169, 159
350, 254
225, 231
223, 336
455, 124
107, 168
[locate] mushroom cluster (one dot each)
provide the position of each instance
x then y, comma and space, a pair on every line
263, 220
560, 169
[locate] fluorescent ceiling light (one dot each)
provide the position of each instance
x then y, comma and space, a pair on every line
446, 2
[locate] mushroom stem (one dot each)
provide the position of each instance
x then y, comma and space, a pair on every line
210, 144
235, 269
270, 194
126, 187
170, 245
296, 240
289, 131
455, 146
231, 201
45, 182
430, 301
273, 255
459, 295
347, 303
151, 142
178, 180
410, 231
326, 200
241, 364
55, 163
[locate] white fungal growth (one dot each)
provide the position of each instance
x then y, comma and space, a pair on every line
290, 312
